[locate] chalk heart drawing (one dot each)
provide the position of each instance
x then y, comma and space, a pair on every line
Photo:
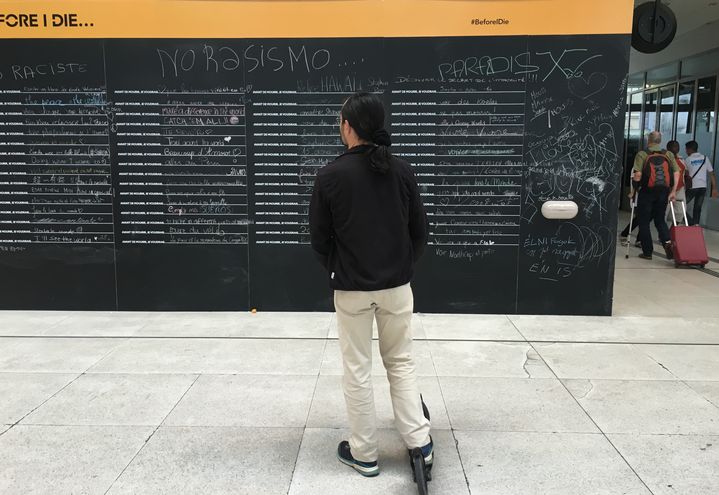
584, 88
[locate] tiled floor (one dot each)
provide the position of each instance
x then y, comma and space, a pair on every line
145, 403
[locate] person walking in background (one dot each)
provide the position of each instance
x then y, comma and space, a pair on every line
675, 148
657, 172
368, 228
698, 166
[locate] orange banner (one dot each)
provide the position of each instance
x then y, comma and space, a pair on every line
309, 19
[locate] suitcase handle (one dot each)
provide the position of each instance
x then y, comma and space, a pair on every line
684, 209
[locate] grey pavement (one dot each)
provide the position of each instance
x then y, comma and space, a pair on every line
195, 403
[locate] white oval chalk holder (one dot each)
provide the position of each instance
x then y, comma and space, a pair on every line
560, 210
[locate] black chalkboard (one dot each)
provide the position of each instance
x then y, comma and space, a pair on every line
199, 158
575, 114
56, 216
180, 173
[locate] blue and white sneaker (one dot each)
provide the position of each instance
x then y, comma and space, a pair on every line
368, 469
428, 453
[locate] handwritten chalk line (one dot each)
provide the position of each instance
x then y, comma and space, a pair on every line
471, 244
439, 205
63, 232
57, 242
75, 223
131, 92
104, 124
482, 115
514, 225
69, 194
470, 155
63, 134
100, 104
481, 234
164, 165
62, 144
190, 105
99, 114
21, 92
188, 136
55, 154
218, 145
65, 204
169, 115
473, 185
473, 91
315, 93
462, 164
175, 203
193, 243
130, 210
81, 174
64, 164
64, 213
130, 124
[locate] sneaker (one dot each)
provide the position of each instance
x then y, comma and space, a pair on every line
428, 452
645, 256
638, 244
368, 469
668, 250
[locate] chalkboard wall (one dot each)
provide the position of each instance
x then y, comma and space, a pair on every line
176, 174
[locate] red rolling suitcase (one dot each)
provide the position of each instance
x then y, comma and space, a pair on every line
688, 242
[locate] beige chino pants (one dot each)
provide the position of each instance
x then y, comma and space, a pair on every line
392, 308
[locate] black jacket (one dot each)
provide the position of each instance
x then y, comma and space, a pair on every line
367, 229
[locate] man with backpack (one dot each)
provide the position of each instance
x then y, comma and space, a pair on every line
657, 174
698, 166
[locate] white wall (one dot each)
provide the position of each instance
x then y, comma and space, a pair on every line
697, 41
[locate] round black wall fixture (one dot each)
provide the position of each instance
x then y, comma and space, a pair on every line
654, 27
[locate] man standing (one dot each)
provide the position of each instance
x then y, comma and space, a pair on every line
657, 173
368, 228
698, 166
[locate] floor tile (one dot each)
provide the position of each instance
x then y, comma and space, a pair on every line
687, 362
332, 361
100, 324
512, 404
114, 400
319, 472
418, 332
469, 327
246, 400
671, 464
244, 461
215, 356
329, 410
22, 392
602, 361
660, 407
56, 355
708, 390
4, 428
66, 459
562, 463
618, 329
488, 359
239, 324
27, 323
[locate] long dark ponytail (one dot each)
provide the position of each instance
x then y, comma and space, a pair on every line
365, 114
